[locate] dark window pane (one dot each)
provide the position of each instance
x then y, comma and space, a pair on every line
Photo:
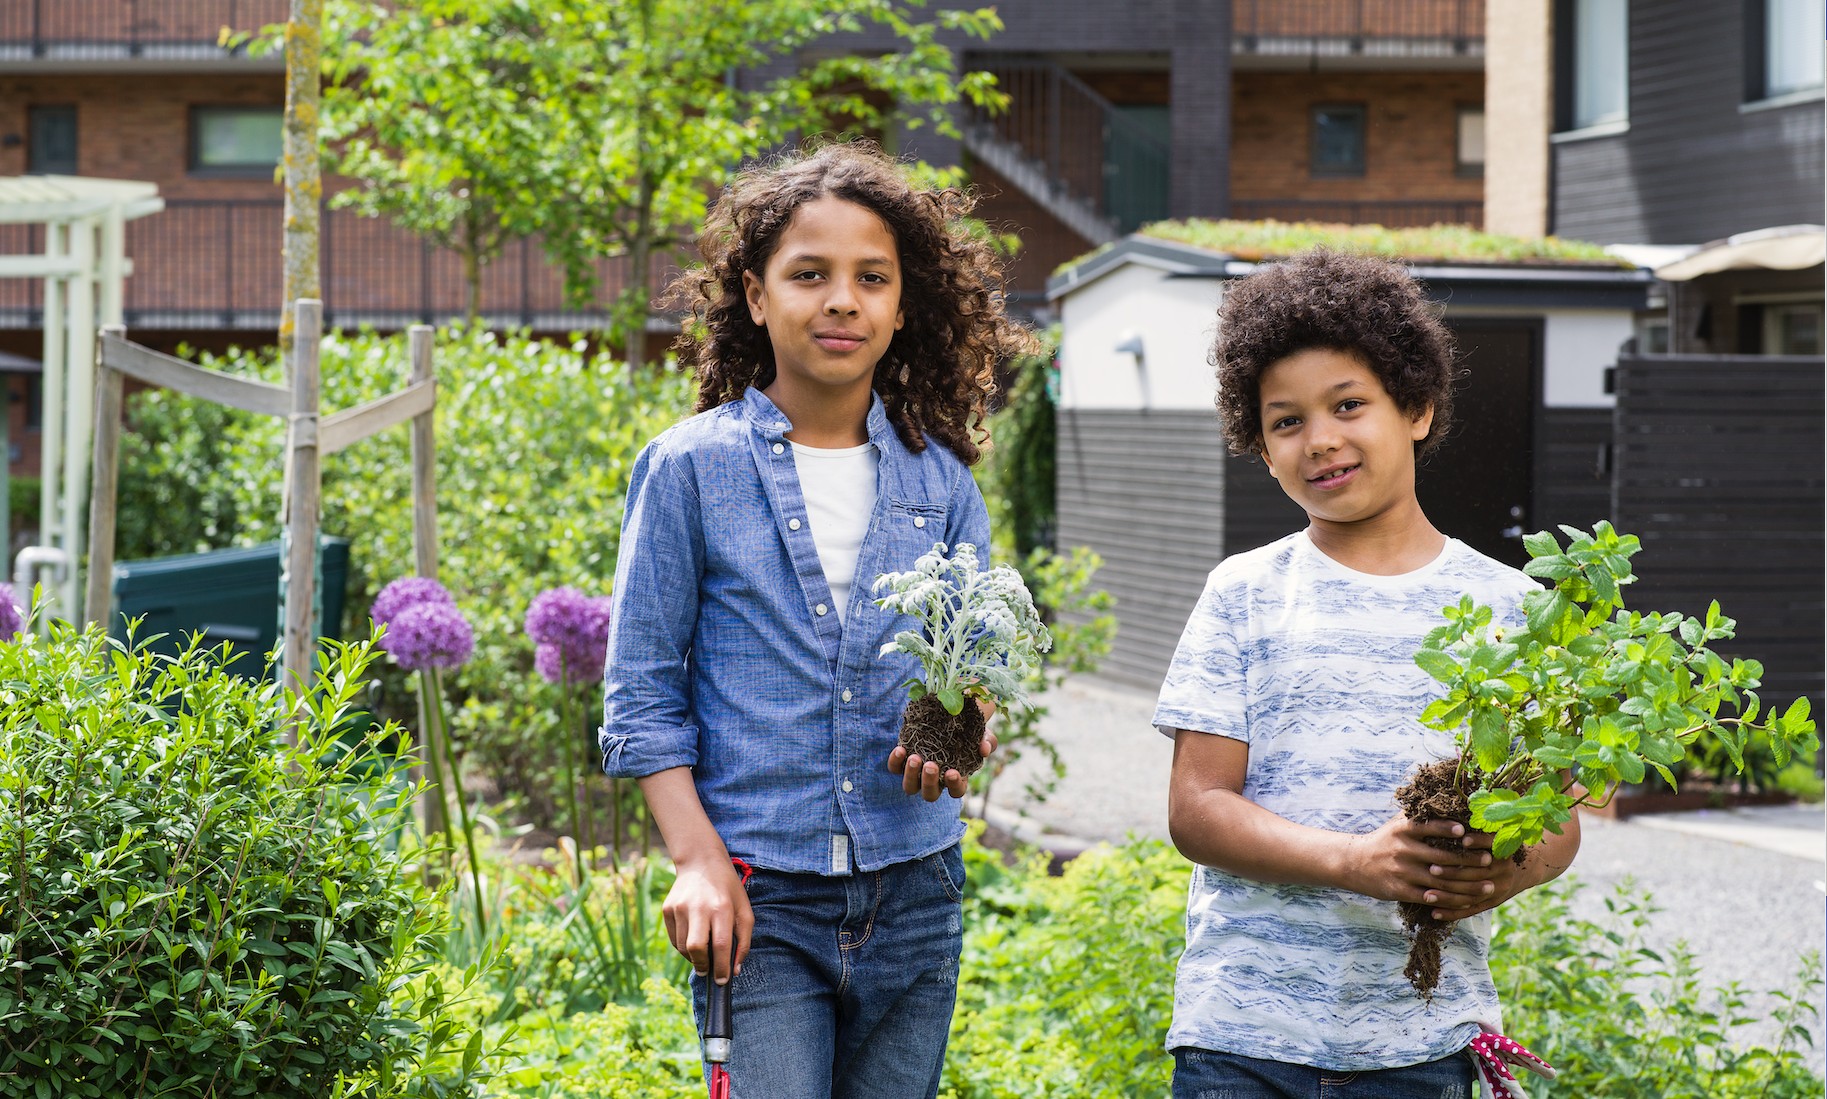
52, 142
1338, 141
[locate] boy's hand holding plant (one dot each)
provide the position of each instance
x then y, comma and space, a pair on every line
980, 640
1585, 697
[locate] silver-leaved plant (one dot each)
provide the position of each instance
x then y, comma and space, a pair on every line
980, 636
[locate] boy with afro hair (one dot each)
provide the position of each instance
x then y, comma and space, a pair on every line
1293, 701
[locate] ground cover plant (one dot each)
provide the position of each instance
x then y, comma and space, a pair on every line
1270, 239
1583, 698
193, 905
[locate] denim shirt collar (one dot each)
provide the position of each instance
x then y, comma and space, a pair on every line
773, 424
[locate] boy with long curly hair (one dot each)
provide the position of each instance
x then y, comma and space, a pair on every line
845, 332
1294, 701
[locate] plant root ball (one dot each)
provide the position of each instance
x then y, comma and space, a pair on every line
1433, 794
953, 742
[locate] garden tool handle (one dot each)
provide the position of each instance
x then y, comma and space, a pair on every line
717, 1009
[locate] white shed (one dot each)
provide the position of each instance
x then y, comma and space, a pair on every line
1144, 478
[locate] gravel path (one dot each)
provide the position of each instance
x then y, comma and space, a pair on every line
1747, 891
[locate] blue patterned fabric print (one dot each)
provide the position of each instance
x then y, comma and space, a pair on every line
726, 655
1312, 665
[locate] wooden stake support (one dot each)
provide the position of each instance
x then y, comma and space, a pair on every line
308, 439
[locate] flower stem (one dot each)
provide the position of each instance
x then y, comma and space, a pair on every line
456, 781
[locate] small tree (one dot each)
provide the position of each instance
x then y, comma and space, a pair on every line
422, 106
606, 127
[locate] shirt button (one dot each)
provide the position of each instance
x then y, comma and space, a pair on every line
779, 448
847, 786
792, 524
846, 694
821, 609
919, 520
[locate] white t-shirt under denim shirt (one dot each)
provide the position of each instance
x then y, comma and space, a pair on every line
839, 486
1312, 665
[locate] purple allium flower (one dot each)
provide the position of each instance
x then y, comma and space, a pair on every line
12, 619
429, 635
572, 630
407, 591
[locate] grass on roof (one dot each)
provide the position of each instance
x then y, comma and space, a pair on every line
1260, 240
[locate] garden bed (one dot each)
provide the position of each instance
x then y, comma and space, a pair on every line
1635, 801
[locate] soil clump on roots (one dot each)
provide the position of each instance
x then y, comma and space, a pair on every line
1433, 794
954, 742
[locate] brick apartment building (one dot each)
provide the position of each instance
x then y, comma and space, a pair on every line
1351, 110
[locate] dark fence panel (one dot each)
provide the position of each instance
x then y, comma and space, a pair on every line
1718, 470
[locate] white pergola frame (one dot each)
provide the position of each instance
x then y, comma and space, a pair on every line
84, 267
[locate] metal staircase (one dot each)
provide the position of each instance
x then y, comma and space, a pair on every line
1068, 148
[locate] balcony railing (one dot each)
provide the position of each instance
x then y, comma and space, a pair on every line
1395, 214
1083, 144
1357, 21
216, 265
70, 30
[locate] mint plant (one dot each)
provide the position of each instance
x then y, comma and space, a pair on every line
1588, 696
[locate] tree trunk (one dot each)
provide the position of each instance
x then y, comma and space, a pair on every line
303, 171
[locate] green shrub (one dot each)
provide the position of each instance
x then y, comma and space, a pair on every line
1067, 991
535, 441
191, 908
1622, 1017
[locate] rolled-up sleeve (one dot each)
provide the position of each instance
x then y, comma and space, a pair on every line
647, 716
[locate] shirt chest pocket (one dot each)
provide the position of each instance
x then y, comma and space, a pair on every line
912, 528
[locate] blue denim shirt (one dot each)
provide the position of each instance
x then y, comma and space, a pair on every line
726, 656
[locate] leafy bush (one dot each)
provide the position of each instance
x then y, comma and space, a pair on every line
1617, 1016
1068, 982
535, 442
193, 908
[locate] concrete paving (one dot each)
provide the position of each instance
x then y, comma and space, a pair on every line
1746, 889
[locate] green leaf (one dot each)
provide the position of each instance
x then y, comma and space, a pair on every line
1438, 664
1490, 740
1541, 544
952, 699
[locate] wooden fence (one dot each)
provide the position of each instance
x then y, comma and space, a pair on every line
1718, 469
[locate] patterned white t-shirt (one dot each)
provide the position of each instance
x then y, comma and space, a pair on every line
1312, 665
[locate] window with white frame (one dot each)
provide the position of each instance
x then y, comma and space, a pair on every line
1595, 63
1469, 142
1785, 58
236, 140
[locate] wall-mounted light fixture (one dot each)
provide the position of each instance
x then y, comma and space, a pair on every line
1130, 343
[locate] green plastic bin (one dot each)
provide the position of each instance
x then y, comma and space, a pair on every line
227, 596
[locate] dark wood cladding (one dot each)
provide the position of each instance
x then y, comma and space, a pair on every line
1719, 473
1692, 167
1146, 490
1572, 468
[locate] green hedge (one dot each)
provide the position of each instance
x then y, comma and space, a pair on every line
535, 442
189, 906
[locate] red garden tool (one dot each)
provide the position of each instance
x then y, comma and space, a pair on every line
717, 1016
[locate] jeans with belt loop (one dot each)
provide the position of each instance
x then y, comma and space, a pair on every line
1205, 1074
849, 984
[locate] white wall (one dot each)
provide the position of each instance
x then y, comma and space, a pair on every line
1175, 319
1578, 345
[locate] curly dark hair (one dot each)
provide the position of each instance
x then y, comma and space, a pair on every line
1323, 299
938, 374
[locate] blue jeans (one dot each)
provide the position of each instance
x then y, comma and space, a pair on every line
1204, 1074
849, 984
